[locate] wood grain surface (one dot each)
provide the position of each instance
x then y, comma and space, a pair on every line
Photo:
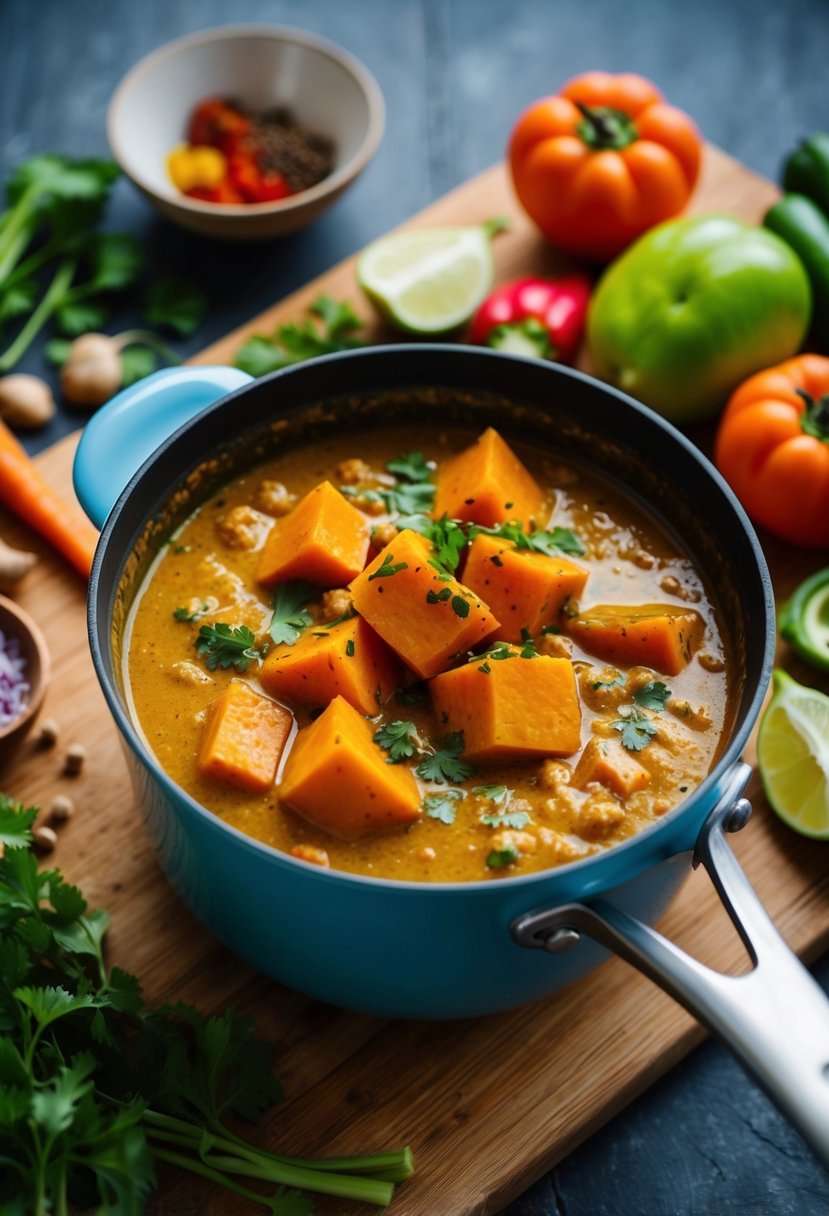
487, 1105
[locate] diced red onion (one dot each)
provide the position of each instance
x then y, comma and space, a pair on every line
14, 687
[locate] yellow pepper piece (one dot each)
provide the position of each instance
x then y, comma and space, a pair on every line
192, 165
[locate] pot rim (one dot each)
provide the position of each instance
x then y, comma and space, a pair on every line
643, 846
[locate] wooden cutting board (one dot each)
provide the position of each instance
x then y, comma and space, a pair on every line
487, 1105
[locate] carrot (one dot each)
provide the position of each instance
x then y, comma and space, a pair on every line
24, 490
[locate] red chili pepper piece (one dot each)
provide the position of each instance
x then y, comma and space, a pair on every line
539, 317
218, 124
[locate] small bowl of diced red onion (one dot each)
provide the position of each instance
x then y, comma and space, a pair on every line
24, 674
246, 132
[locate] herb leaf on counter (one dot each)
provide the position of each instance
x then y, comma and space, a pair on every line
332, 327
176, 303
96, 1088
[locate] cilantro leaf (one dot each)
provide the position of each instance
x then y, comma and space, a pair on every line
652, 696
79, 317
57, 350
62, 178
618, 681
442, 806
228, 646
460, 606
290, 616
294, 342
499, 859
445, 764
18, 299
116, 259
398, 739
551, 542
15, 823
495, 793
388, 567
413, 466
636, 728
176, 303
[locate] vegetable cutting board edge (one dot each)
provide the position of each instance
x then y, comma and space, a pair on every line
487, 1105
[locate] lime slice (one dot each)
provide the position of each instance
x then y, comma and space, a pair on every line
793, 756
429, 281
804, 621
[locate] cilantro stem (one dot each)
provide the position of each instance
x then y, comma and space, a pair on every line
53, 298
17, 225
384, 1169
197, 1167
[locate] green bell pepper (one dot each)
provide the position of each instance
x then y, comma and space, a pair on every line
692, 309
806, 171
803, 226
804, 620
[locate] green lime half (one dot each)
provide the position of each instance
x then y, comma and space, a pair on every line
804, 620
793, 756
429, 281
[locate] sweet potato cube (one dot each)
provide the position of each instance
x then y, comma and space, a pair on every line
607, 762
661, 636
510, 706
524, 589
323, 540
337, 777
347, 660
244, 737
425, 616
487, 484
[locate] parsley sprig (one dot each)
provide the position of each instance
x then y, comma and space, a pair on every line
290, 616
445, 765
97, 1088
228, 646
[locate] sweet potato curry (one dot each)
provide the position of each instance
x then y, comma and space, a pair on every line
440, 661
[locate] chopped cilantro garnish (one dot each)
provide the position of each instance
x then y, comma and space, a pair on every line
652, 696
442, 806
495, 793
228, 646
349, 648
411, 696
499, 859
509, 819
411, 467
398, 739
550, 541
618, 681
290, 616
498, 652
460, 606
438, 597
445, 764
388, 568
636, 728
190, 614
485, 668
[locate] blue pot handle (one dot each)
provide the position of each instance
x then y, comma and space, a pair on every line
118, 439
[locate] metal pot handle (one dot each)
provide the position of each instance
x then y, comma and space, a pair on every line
775, 1018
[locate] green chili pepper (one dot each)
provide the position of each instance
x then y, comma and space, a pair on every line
804, 227
807, 170
804, 621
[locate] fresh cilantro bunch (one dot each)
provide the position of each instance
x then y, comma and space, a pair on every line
95, 1088
332, 326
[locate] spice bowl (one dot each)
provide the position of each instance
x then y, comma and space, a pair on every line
24, 660
262, 68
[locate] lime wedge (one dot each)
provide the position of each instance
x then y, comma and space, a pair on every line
428, 281
793, 756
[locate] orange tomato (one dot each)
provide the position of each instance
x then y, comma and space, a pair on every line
773, 448
602, 161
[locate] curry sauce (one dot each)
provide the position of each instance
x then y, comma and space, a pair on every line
645, 735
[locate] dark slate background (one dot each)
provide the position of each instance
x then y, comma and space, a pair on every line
455, 74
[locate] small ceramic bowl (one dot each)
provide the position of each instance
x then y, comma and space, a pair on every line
325, 88
15, 623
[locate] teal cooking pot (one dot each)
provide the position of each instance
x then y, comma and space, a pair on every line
440, 950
